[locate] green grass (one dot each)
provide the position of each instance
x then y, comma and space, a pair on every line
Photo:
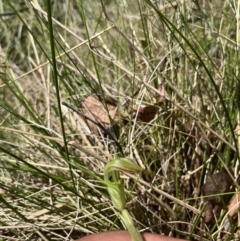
51, 169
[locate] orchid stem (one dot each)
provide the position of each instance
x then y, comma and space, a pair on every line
127, 219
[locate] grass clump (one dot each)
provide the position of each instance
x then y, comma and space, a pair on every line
184, 53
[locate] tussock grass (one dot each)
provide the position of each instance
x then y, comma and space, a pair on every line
50, 165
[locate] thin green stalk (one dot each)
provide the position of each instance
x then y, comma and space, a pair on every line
127, 219
55, 78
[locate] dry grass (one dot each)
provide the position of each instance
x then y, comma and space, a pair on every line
49, 174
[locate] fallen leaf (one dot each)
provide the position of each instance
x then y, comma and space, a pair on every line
101, 110
147, 113
218, 183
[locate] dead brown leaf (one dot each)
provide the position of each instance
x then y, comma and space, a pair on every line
101, 110
219, 183
147, 113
